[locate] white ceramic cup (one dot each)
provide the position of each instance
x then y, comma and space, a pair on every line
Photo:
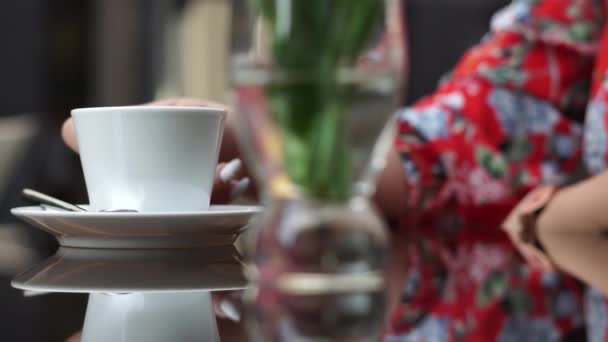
149, 158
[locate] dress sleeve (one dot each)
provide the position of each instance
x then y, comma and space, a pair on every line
506, 118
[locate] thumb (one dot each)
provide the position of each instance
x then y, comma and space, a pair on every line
69, 134
227, 305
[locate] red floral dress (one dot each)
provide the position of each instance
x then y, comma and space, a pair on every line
528, 105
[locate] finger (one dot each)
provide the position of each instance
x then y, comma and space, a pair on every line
69, 134
239, 188
187, 102
233, 174
536, 259
231, 171
229, 182
227, 305
75, 338
512, 224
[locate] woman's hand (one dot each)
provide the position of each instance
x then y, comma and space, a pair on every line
514, 227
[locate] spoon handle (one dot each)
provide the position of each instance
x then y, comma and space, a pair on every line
46, 199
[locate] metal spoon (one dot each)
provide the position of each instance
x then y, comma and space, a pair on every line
41, 198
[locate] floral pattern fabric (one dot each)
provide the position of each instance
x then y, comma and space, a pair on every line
524, 107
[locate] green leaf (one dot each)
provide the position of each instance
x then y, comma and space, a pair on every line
573, 11
506, 74
521, 177
493, 287
494, 164
581, 31
518, 302
546, 25
518, 148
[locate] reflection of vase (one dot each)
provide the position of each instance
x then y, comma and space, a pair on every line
309, 124
318, 272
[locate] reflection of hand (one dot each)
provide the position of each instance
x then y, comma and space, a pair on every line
514, 227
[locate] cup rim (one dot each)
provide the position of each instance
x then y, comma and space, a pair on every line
206, 110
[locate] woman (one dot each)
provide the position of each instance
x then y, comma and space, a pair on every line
507, 119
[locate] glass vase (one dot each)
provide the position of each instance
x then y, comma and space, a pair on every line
314, 83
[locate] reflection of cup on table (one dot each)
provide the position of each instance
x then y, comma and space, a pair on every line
149, 158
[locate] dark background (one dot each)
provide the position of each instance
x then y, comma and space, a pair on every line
62, 54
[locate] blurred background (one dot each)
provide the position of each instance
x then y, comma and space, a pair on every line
62, 54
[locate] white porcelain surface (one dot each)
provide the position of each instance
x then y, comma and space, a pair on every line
150, 317
84, 270
220, 225
149, 158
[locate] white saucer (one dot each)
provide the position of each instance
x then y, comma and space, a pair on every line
218, 226
135, 270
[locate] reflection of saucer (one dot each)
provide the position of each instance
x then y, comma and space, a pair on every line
218, 226
136, 270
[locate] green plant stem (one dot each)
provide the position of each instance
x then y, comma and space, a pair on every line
308, 101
